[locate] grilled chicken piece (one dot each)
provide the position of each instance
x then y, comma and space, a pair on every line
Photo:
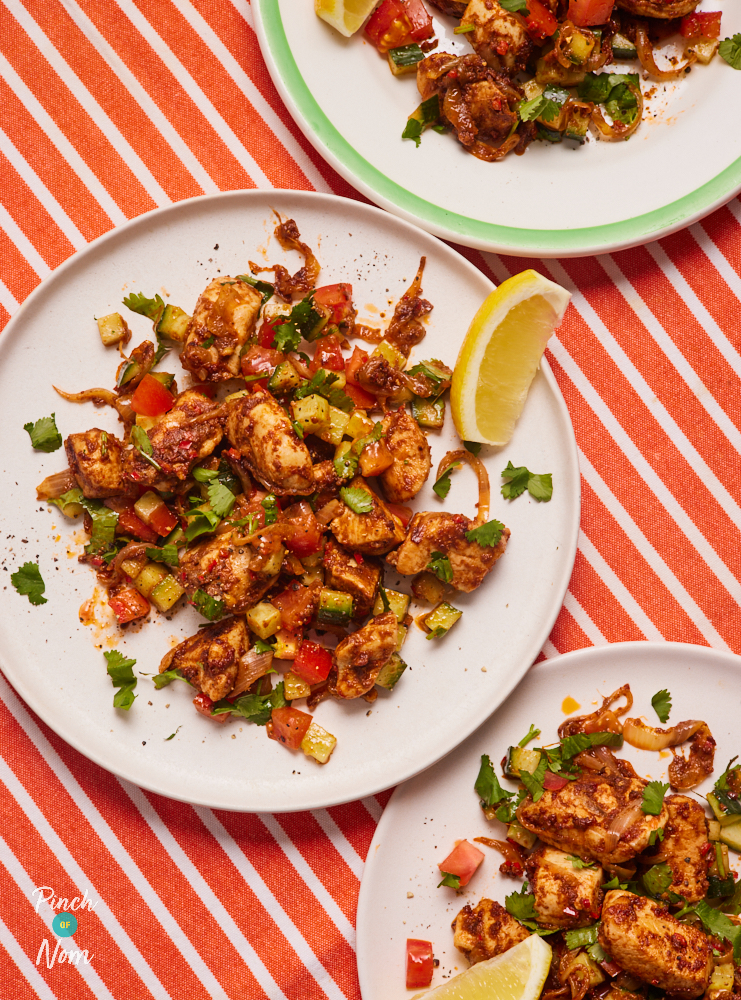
430, 532
373, 533
181, 438
406, 442
224, 317
210, 659
500, 38
646, 941
96, 459
565, 896
486, 930
358, 658
343, 572
659, 8
222, 568
326, 483
577, 817
262, 432
685, 834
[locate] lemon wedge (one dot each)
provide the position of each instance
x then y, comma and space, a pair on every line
518, 974
345, 15
501, 354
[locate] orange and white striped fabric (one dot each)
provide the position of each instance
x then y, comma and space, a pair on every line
110, 108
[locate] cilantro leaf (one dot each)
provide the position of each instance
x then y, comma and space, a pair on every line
140, 440
205, 475
286, 337
614, 883
28, 582
104, 525
730, 50
253, 707
653, 797
534, 782
359, 446
532, 734
151, 308
72, 496
201, 522
122, 677
727, 789
442, 483
210, 607
168, 554
167, 677
486, 534
487, 785
270, 506
322, 383
221, 499
346, 465
719, 925
541, 107
473, 446
515, 7
581, 937
173, 735
657, 879
654, 835
540, 487
357, 499
263, 287
439, 564
44, 434
451, 881
572, 745
522, 906
579, 863
662, 704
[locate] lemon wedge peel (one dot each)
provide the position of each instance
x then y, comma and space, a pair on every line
347, 16
501, 354
517, 974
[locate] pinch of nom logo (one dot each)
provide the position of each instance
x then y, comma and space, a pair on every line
64, 925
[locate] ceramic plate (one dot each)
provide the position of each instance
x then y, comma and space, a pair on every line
56, 663
683, 161
419, 827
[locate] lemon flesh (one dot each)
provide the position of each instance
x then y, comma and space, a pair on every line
518, 974
500, 355
346, 16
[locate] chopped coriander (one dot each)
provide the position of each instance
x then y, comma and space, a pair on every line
522, 906
614, 883
653, 797
486, 534
286, 337
173, 735
451, 881
657, 879
730, 50
253, 707
473, 446
487, 785
439, 564
104, 525
140, 440
539, 107
122, 677
515, 7
262, 647
270, 506
205, 475
532, 734
654, 835
201, 522
534, 782
221, 499
719, 925
662, 704
28, 582
357, 499
462, 29
44, 434
579, 863
426, 114
572, 745
263, 287
346, 465
322, 383
581, 937
167, 677
727, 789
540, 487
210, 607
168, 554
151, 308
442, 483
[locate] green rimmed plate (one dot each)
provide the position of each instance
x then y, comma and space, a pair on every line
682, 163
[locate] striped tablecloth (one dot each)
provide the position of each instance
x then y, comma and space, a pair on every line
110, 108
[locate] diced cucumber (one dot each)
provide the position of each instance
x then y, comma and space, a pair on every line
264, 619
335, 607
623, 48
548, 72
713, 829
404, 59
391, 353
273, 565
285, 646
133, 567
147, 504
312, 412
427, 587
173, 323
391, 671
720, 888
731, 834
314, 574
312, 326
441, 619
703, 48
318, 743
520, 759
359, 425
722, 978
517, 832
149, 577
577, 128
401, 634
428, 412
113, 329
166, 593
128, 371
398, 603
284, 379
579, 48
334, 429
295, 687
164, 377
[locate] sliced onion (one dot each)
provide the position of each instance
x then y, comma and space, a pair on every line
644, 737
252, 666
648, 61
133, 550
617, 131
605, 717
55, 485
514, 854
298, 511
481, 474
597, 759
622, 822
329, 511
301, 367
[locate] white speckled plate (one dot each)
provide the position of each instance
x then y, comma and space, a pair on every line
419, 827
56, 663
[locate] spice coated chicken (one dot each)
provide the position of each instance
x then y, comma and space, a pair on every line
270, 492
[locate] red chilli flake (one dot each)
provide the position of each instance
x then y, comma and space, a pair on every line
358, 558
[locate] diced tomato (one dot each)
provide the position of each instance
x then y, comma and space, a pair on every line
289, 726
462, 861
128, 605
355, 391
313, 663
541, 24
701, 24
554, 782
203, 704
358, 359
338, 299
303, 538
296, 604
586, 12
328, 354
261, 359
266, 333
130, 524
362, 399
420, 959
163, 520
398, 22
405, 514
151, 398
205, 389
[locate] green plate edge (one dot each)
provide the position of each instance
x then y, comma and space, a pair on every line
460, 228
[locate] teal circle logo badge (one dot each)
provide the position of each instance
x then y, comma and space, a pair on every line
64, 924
